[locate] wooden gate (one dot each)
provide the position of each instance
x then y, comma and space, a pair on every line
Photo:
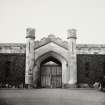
51, 76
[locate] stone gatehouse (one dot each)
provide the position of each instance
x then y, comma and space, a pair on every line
51, 62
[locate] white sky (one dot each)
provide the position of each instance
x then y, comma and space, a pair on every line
52, 17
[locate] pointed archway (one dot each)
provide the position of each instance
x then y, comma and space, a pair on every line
49, 65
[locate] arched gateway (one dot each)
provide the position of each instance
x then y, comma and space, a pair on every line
49, 62
51, 68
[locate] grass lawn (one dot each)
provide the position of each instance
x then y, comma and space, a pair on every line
51, 97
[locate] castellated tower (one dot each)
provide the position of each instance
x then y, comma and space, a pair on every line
30, 57
72, 62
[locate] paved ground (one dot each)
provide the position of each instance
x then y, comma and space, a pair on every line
52, 97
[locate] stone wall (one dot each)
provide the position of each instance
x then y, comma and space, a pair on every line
90, 74
12, 68
90, 68
90, 59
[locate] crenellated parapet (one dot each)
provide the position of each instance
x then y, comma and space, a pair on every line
12, 48
80, 48
90, 49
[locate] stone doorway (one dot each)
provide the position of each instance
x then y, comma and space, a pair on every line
51, 73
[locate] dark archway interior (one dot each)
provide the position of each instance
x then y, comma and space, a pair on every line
51, 59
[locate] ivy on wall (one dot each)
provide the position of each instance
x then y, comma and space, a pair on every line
12, 68
90, 67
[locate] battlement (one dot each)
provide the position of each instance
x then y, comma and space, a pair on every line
81, 48
12, 48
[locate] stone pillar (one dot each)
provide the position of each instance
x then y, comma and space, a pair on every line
30, 57
72, 64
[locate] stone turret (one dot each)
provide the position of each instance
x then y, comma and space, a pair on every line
72, 60
30, 57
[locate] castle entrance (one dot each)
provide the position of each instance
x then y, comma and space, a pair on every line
51, 73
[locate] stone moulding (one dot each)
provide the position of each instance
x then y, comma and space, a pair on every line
90, 45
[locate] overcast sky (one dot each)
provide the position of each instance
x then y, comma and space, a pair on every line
52, 17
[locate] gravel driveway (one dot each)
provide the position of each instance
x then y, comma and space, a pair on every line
51, 97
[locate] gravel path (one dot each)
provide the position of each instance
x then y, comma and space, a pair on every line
52, 97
